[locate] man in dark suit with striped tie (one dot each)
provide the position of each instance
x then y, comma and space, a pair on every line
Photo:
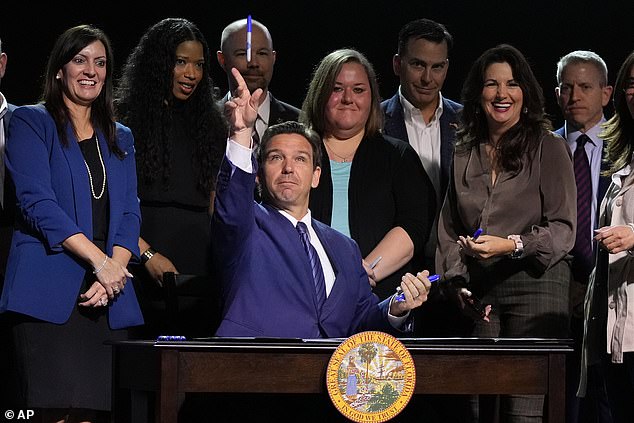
257, 72
582, 93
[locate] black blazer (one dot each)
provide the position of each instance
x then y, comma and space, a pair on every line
395, 126
282, 112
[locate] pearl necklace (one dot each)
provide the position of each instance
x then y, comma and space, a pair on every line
103, 169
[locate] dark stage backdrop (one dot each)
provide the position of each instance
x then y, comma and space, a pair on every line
304, 31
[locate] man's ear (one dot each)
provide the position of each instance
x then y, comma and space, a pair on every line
221, 59
396, 65
316, 175
606, 95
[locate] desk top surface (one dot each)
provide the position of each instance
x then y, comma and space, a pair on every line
516, 345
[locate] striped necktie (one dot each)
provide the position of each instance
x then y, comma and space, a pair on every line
315, 264
582, 250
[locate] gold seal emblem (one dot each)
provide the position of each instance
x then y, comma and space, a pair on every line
371, 377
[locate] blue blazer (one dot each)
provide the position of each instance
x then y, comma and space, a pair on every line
267, 282
43, 280
7, 211
395, 126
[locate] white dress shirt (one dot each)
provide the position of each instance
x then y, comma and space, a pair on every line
425, 138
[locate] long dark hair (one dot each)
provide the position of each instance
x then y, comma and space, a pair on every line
619, 130
524, 136
71, 42
145, 103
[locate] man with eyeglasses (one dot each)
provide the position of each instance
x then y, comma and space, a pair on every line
582, 92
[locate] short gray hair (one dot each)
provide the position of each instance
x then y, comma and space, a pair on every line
583, 56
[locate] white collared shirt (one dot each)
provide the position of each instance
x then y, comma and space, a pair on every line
264, 114
425, 138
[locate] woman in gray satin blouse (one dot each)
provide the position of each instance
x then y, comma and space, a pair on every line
513, 179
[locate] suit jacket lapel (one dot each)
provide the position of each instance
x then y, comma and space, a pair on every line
338, 292
274, 111
448, 127
290, 241
604, 181
395, 120
81, 184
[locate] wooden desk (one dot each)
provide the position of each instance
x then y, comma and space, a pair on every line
443, 366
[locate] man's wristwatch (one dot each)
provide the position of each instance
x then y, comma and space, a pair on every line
519, 246
147, 255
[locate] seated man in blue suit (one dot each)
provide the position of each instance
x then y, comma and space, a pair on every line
273, 285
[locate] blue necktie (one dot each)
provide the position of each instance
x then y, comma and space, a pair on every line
315, 264
582, 250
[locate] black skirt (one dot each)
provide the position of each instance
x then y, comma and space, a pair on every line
68, 365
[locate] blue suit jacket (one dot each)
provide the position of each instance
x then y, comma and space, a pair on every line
7, 210
395, 126
43, 280
268, 287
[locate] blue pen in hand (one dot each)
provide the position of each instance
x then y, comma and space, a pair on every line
400, 295
249, 32
476, 234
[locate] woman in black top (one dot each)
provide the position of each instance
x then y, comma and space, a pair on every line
373, 187
166, 96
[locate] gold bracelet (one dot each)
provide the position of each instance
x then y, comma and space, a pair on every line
147, 255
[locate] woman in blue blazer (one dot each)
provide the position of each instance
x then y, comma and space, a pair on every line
77, 228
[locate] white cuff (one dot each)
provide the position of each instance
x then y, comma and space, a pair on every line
239, 155
397, 322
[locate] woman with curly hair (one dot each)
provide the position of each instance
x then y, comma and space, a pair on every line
166, 96
513, 179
